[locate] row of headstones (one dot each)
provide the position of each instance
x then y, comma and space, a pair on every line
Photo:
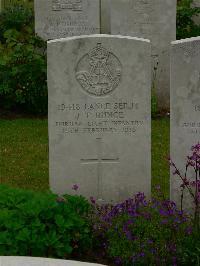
100, 135
100, 113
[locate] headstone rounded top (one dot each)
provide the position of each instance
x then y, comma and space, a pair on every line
31, 261
103, 36
187, 40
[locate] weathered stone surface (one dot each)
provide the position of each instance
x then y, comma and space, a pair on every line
100, 116
185, 106
63, 18
154, 20
31, 261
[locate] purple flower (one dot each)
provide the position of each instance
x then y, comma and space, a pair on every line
141, 254
193, 183
129, 235
174, 261
158, 187
134, 259
140, 197
149, 241
60, 199
153, 251
190, 163
163, 212
188, 230
129, 222
196, 147
146, 215
92, 199
176, 172
164, 221
75, 187
118, 261
104, 245
186, 182
172, 247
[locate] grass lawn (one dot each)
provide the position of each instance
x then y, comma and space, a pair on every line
160, 152
24, 153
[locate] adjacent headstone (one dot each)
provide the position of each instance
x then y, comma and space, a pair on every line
99, 116
31, 261
185, 106
154, 20
196, 3
63, 18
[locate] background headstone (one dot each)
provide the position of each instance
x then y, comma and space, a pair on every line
100, 116
154, 20
196, 3
56, 19
185, 106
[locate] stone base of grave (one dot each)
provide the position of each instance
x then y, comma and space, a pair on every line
31, 261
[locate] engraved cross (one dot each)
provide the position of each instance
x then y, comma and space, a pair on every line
100, 160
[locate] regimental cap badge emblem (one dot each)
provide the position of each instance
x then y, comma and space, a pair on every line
99, 71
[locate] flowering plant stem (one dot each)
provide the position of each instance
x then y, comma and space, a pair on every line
193, 162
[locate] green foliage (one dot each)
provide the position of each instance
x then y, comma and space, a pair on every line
33, 224
154, 100
22, 63
152, 242
189, 251
141, 232
9, 3
186, 26
16, 17
154, 105
160, 151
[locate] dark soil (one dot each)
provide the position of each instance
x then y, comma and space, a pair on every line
93, 256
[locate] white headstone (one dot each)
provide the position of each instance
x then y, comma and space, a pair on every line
63, 18
154, 20
185, 106
100, 116
31, 261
